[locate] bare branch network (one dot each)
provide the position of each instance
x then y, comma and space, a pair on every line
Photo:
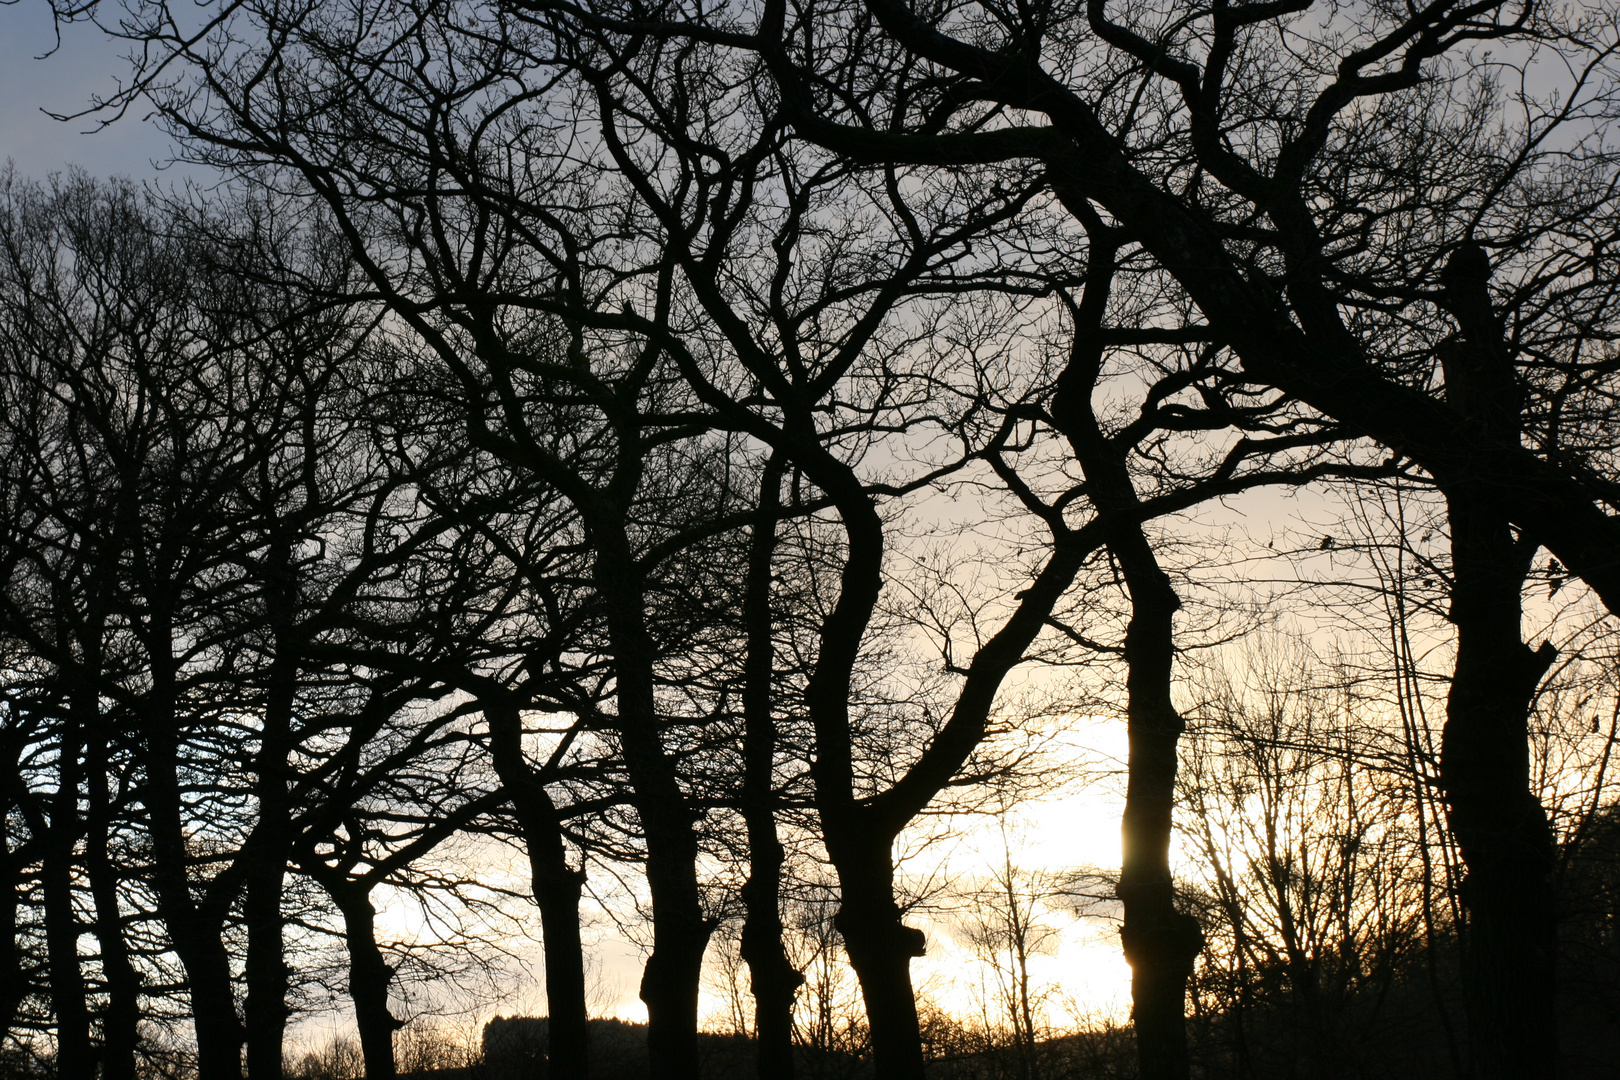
721, 480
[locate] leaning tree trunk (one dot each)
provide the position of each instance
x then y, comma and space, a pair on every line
671, 979
860, 833
369, 972
879, 945
557, 891
1510, 943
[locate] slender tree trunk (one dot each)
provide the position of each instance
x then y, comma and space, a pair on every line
557, 890
75, 1053
1510, 944
860, 833
775, 981
194, 932
14, 980
265, 875
14, 983
1160, 942
120, 1030
670, 981
879, 944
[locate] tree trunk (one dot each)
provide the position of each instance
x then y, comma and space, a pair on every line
14, 983
120, 1030
669, 984
265, 968
14, 980
1510, 943
74, 1052
879, 945
1160, 942
881, 948
670, 981
264, 878
557, 889
774, 980
194, 930
369, 975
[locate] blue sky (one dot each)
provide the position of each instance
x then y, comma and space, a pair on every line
86, 64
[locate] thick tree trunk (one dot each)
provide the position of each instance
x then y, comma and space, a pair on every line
195, 931
671, 979
774, 979
557, 889
1510, 944
264, 1011
880, 948
670, 982
369, 975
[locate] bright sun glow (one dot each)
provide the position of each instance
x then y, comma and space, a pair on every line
1078, 975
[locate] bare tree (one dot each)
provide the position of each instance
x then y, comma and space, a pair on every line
1006, 922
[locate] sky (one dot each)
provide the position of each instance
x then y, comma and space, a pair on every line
36, 75
87, 63
1080, 828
